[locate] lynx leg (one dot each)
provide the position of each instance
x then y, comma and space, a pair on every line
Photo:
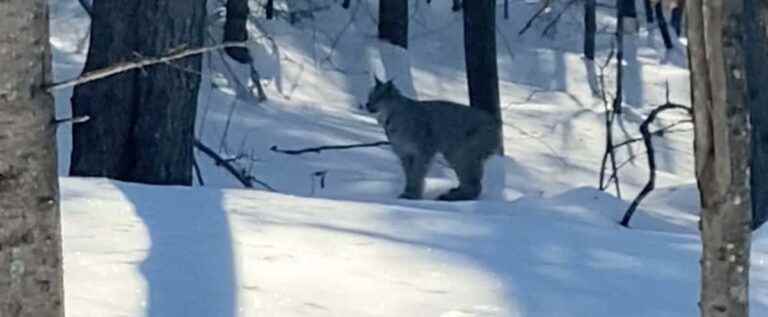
470, 174
415, 168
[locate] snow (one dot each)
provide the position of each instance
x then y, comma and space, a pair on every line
541, 241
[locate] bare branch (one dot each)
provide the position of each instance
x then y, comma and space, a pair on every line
318, 149
535, 16
650, 185
127, 66
554, 21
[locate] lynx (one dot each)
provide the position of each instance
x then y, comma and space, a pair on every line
418, 130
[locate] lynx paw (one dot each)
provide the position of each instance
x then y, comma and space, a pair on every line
459, 193
409, 196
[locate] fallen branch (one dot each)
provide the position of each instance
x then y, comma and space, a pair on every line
246, 180
127, 66
319, 149
650, 185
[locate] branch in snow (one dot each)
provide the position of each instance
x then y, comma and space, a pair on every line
246, 180
318, 149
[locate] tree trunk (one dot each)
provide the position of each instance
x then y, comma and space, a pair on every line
663, 26
628, 11
756, 48
393, 22
141, 126
270, 9
648, 11
676, 20
590, 28
480, 58
235, 30
31, 282
722, 150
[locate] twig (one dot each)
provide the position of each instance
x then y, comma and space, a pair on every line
246, 180
198, 173
127, 66
554, 21
318, 149
649, 186
535, 16
660, 132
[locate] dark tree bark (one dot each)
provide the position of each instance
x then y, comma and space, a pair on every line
722, 149
270, 9
676, 19
628, 9
480, 58
235, 30
648, 11
141, 126
756, 48
393, 22
590, 28
31, 280
663, 26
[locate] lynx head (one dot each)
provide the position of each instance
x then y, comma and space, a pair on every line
380, 91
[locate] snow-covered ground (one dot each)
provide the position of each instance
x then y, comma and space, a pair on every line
542, 241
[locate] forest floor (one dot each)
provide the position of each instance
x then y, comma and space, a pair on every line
334, 241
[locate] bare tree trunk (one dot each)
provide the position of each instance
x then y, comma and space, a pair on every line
480, 58
270, 9
648, 11
756, 47
393, 22
31, 282
235, 30
722, 150
663, 26
141, 126
590, 28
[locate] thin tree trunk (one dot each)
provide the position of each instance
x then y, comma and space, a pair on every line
722, 151
676, 20
31, 279
480, 57
270, 9
756, 48
590, 27
648, 11
663, 26
141, 126
235, 30
393, 22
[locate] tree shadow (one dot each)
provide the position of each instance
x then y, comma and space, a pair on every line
560, 271
633, 77
190, 268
